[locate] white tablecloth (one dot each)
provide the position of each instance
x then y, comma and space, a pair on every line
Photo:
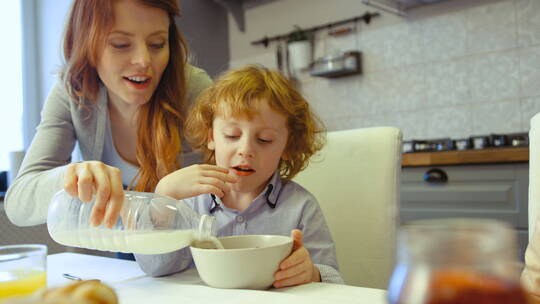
133, 286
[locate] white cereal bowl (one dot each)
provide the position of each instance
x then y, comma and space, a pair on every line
247, 262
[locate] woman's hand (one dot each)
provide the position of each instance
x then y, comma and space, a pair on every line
84, 179
194, 180
297, 268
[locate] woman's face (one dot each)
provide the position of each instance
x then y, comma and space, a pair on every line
136, 53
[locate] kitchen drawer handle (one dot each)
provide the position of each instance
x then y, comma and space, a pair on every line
435, 175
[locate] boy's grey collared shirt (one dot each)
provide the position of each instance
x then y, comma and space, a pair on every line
295, 208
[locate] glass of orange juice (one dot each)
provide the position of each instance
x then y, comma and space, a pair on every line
22, 270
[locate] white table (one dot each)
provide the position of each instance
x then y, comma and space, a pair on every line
133, 286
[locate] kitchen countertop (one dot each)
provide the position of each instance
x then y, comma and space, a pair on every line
484, 156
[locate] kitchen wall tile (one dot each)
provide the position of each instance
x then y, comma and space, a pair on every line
500, 117
406, 46
491, 27
373, 47
382, 120
454, 122
528, 18
390, 91
374, 93
530, 71
319, 95
392, 46
408, 88
414, 125
493, 77
444, 37
330, 98
447, 84
529, 107
346, 123
365, 121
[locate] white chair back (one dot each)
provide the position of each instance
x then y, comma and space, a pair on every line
356, 179
534, 172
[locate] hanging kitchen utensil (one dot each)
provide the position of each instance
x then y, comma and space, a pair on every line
288, 72
279, 56
340, 31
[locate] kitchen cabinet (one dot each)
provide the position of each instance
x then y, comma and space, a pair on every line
399, 7
237, 7
205, 27
492, 191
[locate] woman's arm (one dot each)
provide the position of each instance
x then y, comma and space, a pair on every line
42, 171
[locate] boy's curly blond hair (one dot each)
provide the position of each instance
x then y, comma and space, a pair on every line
240, 92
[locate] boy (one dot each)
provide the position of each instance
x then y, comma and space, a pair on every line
252, 125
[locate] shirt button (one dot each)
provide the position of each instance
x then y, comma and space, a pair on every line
239, 219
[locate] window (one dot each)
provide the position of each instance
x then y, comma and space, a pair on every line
11, 105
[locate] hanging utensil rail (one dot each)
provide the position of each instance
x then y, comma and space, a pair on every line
366, 17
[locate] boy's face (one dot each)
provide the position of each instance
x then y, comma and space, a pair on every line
250, 149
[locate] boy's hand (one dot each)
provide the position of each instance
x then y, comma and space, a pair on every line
297, 268
194, 180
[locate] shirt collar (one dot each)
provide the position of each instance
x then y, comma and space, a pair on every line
274, 187
269, 196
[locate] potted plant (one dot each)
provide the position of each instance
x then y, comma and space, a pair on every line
299, 46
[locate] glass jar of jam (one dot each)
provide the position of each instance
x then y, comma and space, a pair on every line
451, 261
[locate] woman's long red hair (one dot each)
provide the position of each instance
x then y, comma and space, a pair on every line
160, 119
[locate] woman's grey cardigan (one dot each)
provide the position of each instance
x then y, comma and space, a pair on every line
64, 123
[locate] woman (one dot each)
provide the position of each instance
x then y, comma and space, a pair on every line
122, 95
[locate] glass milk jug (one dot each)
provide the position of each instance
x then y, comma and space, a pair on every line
148, 224
465, 261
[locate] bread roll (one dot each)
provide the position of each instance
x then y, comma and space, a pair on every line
82, 292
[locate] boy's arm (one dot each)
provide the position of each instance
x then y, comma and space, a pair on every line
329, 274
157, 265
318, 241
